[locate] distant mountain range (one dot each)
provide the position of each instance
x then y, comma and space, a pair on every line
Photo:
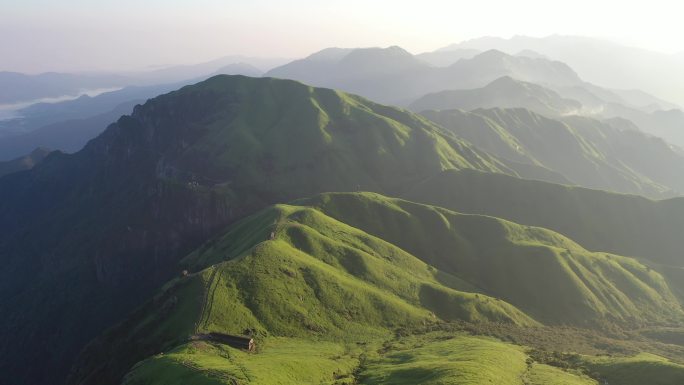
584, 100
596, 61
504, 92
68, 135
16, 87
586, 151
68, 125
392, 75
447, 58
229, 65
389, 75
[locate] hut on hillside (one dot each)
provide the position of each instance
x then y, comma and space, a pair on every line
238, 342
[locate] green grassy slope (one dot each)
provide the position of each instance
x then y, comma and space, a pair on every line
602, 221
587, 152
541, 272
318, 278
431, 361
540, 374
280, 361
637, 370
352, 267
433, 358
299, 137
641, 368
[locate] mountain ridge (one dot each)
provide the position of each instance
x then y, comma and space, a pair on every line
651, 71
155, 184
504, 92
322, 246
88, 237
586, 151
411, 78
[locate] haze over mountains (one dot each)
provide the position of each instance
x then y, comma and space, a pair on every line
17, 87
585, 151
517, 223
393, 75
68, 125
596, 61
504, 92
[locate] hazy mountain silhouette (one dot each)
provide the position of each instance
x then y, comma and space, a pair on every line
17, 87
239, 69
504, 92
392, 75
24, 162
447, 58
596, 61
229, 65
67, 136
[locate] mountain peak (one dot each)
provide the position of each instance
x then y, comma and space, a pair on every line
334, 54
330, 54
504, 81
239, 68
393, 52
492, 54
506, 92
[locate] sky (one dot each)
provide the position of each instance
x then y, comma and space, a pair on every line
76, 35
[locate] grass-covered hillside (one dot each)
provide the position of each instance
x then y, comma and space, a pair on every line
585, 151
89, 236
434, 358
513, 262
346, 269
598, 220
87, 239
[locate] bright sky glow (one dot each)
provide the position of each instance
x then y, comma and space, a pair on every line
44, 35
